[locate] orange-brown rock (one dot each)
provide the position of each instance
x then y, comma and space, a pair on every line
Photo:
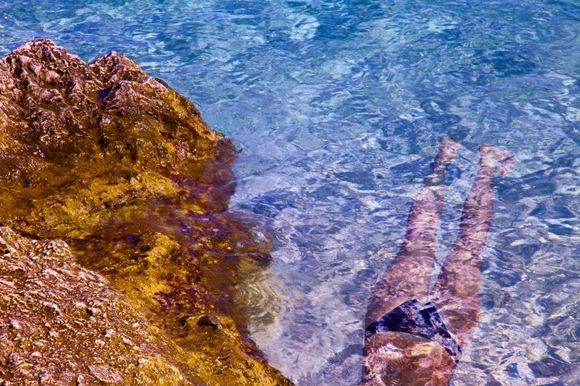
125, 170
62, 324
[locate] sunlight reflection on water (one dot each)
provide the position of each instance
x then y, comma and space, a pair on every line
338, 107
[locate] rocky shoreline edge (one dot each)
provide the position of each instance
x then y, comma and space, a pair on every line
119, 258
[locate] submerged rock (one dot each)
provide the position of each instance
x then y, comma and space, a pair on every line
125, 170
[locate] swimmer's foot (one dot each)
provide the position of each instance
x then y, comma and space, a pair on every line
496, 159
447, 151
446, 155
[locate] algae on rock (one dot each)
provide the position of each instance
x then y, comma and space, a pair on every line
125, 170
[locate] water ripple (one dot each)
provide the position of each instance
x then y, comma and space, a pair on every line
338, 108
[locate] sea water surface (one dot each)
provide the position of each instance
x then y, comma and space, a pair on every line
338, 108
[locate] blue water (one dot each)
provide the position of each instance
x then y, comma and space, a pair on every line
338, 107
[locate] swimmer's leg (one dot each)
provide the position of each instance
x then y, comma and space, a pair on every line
456, 292
409, 274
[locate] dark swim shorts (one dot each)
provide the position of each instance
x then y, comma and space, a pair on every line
416, 318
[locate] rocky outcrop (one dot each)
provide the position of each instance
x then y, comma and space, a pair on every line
125, 170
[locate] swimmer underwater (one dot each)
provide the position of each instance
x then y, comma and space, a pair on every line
414, 336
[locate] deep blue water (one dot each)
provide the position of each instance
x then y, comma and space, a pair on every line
338, 107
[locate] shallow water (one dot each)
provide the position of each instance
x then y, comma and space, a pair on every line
338, 108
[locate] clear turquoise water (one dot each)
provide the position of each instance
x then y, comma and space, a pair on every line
339, 107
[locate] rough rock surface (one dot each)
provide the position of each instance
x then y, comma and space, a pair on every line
125, 170
61, 324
